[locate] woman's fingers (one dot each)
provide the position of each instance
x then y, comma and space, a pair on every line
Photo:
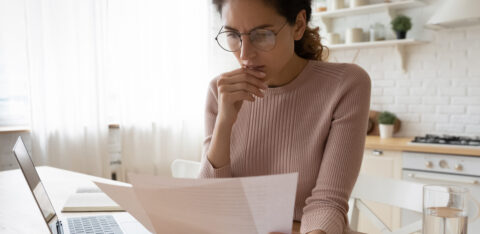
242, 78
237, 86
238, 96
258, 74
242, 86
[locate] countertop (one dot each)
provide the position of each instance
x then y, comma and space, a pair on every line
402, 144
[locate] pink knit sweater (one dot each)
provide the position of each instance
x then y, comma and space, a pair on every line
316, 126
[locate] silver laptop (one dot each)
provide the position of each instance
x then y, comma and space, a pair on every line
84, 224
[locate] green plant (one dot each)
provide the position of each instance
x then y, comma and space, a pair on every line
401, 23
386, 118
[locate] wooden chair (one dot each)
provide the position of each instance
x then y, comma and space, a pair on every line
398, 193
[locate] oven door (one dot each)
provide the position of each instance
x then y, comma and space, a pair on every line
470, 182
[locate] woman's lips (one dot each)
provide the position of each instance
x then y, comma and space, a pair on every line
257, 68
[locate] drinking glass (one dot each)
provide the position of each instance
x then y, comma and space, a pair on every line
445, 209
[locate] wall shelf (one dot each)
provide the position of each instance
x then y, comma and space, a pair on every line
360, 45
368, 9
398, 44
390, 8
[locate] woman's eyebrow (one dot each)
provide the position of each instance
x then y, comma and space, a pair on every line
257, 27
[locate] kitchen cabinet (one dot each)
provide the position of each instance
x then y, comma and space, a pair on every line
385, 163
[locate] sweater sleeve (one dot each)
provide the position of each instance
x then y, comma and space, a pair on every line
206, 168
326, 208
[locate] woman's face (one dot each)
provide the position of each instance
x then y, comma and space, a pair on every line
244, 16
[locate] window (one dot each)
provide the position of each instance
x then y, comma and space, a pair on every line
14, 104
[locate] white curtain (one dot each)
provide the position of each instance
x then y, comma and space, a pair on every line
14, 103
140, 63
65, 40
158, 55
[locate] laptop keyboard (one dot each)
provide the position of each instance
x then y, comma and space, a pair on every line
94, 225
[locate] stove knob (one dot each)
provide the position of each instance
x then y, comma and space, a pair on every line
458, 167
443, 164
429, 164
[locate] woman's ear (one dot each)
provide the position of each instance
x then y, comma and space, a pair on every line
300, 25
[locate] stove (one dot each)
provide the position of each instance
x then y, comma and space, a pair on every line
447, 140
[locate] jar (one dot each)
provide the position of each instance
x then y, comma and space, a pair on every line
320, 5
353, 35
336, 5
357, 3
333, 38
377, 32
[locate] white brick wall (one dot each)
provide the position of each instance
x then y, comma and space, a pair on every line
440, 91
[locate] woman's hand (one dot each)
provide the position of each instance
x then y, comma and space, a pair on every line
316, 232
235, 87
295, 232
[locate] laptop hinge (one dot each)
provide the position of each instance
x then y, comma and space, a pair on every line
59, 227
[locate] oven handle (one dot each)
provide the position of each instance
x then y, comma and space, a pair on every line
456, 180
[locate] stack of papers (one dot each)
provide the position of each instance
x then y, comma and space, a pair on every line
90, 199
260, 204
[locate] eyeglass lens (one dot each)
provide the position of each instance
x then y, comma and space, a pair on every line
261, 39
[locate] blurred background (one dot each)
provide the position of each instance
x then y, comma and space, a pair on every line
110, 87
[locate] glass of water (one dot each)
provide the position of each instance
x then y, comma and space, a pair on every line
445, 209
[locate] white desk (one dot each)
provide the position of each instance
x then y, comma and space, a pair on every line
19, 212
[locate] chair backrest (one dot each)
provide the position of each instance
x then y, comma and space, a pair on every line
398, 193
185, 168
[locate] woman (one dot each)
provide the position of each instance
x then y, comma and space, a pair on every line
286, 111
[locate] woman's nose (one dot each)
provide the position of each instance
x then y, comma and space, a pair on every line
247, 50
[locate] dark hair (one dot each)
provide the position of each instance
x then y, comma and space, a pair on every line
309, 46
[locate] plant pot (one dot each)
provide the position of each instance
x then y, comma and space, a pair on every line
386, 131
401, 35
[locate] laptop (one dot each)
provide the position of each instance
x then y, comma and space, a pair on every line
84, 224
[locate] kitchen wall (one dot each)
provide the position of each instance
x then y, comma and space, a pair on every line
440, 90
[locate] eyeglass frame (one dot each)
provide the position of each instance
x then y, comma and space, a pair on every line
248, 33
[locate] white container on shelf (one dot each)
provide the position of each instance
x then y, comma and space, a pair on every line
386, 130
333, 38
353, 35
357, 3
377, 32
320, 5
336, 5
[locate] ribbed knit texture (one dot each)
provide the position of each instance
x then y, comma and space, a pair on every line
316, 126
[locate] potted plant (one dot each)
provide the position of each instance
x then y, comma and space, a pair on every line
401, 24
386, 120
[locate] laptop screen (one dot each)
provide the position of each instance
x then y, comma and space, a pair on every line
34, 182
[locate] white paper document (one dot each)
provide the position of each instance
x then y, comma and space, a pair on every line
259, 204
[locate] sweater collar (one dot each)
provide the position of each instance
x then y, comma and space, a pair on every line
301, 77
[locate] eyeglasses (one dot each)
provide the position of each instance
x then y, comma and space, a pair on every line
262, 39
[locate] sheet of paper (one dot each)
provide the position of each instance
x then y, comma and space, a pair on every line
126, 198
82, 202
259, 204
